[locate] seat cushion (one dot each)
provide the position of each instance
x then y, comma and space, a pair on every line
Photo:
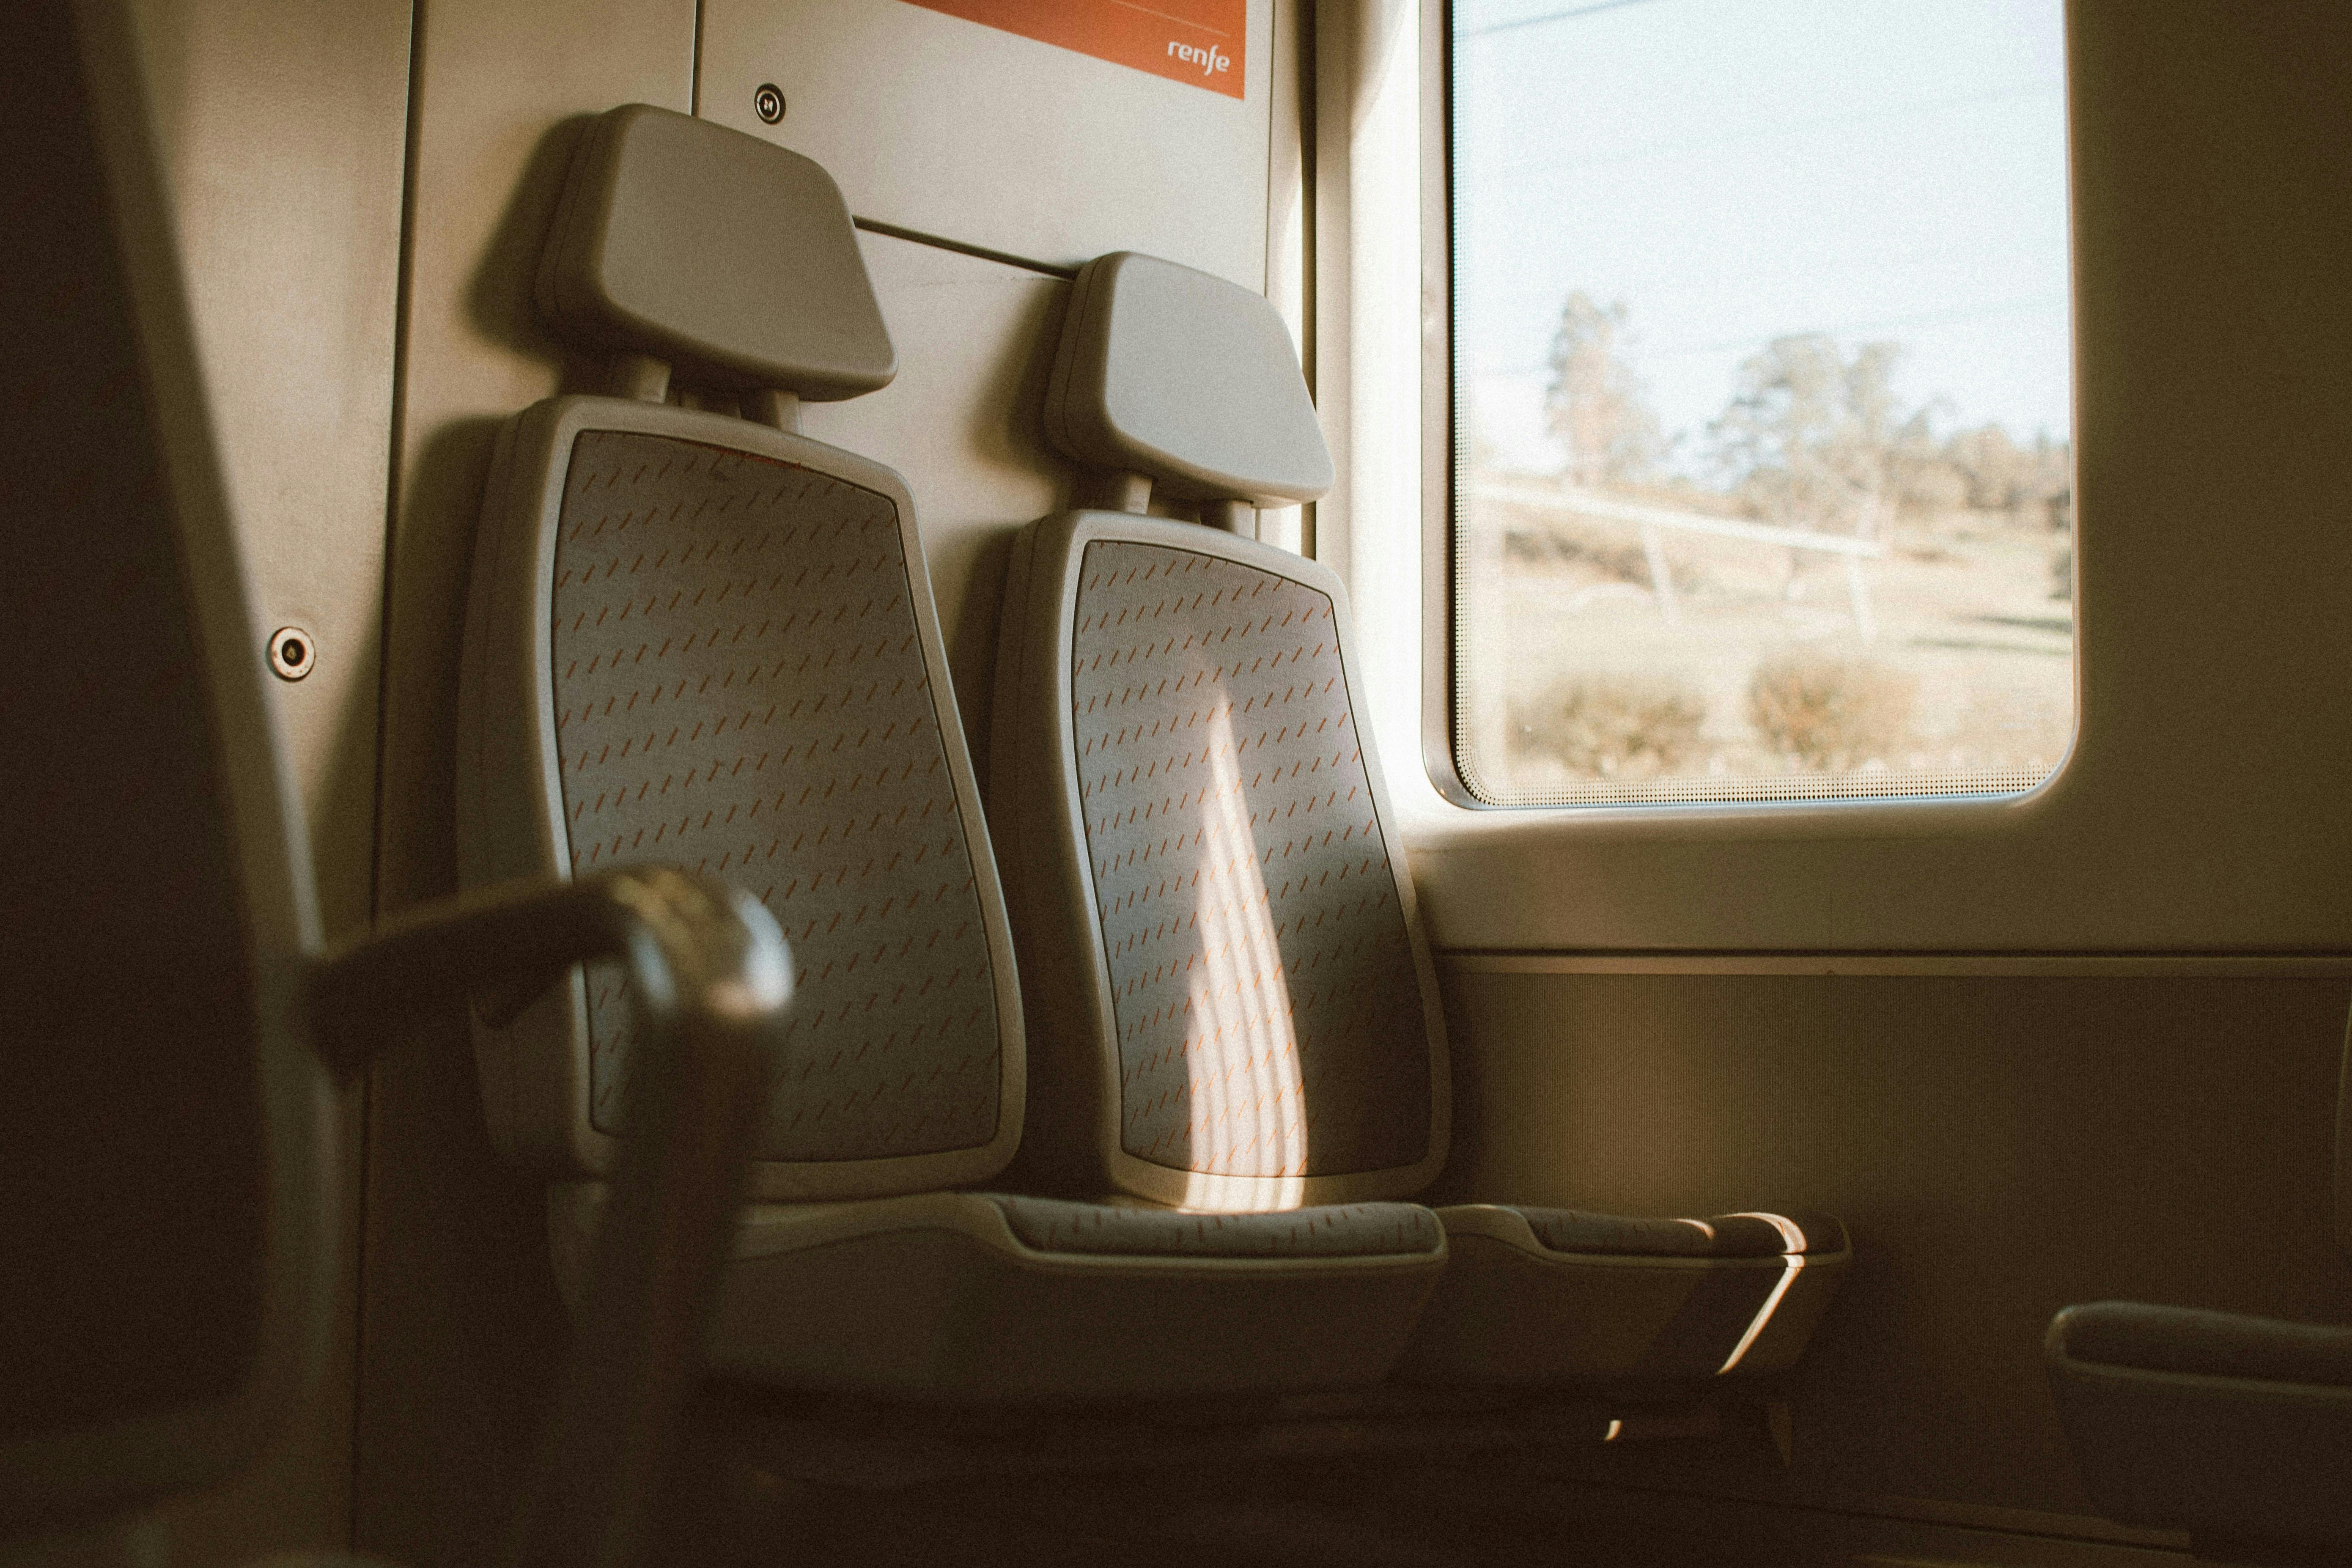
1723, 1236
1548, 1295
983, 1297
2236, 1429
1337, 1230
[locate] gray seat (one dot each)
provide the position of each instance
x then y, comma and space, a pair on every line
1230, 1004
173, 1028
2237, 1429
696, 635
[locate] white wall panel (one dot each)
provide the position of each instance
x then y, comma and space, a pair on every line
281, 123
961, 425
949, 128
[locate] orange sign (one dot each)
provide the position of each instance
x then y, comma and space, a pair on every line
1198, 41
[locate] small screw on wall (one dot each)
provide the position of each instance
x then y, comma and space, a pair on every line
768, 102
293, 653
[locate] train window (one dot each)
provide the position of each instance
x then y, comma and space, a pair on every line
1762, 380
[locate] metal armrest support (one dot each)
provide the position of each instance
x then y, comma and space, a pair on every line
711, 976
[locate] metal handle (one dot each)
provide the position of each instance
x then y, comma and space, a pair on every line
711, 976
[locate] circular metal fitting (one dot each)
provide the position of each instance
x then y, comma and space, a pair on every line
768, 101
293, 653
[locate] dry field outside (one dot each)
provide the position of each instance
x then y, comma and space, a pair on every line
1575, 685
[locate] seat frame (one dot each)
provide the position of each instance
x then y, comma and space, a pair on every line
977, 1317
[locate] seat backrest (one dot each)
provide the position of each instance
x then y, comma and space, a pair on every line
696, 636
1231, 1003
165, 1232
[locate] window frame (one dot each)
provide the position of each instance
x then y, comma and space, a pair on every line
2191, 824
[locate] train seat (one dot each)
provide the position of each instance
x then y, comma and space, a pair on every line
2237, 1429
698, 636
1230, 1004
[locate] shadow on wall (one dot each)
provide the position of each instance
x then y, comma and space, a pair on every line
433, 548
1007, 428
500, 296
465, 1343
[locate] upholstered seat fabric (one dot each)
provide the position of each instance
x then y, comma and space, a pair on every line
697, 640
1242, 1015
1269, 1023
1338, 1230
739, 686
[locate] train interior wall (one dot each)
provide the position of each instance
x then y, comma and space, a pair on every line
2004, 1133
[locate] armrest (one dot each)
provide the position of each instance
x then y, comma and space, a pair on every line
711, 976
2140, 1337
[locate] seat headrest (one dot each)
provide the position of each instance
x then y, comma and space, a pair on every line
1173, 374
729, 258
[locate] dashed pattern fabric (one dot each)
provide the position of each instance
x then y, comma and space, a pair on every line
1269, 1015
1338, 1230
740, 688
1725, 1235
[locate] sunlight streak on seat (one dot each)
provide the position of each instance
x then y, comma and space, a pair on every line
1247, 1110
